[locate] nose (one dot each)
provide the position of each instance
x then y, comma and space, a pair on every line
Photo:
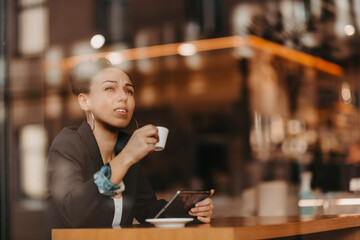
122, 96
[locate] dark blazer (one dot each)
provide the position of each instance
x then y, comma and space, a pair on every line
74, 199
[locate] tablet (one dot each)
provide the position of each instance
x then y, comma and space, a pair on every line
181, 203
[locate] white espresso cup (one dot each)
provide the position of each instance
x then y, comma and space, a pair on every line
163, 133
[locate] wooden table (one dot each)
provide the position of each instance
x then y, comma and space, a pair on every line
309, 227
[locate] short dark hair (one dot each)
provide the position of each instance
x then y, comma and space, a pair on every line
84, 72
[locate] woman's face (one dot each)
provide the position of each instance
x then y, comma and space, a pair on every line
111, 98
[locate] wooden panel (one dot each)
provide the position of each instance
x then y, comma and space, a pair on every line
144, 234
343, 234
312, 227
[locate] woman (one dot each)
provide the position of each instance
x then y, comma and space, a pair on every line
94, 175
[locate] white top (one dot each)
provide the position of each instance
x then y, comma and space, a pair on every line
118, 212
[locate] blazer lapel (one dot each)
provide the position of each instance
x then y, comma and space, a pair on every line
90, 143
128, 196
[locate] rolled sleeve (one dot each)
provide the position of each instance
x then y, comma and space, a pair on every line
105, 186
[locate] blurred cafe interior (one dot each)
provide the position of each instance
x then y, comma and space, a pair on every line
261, 98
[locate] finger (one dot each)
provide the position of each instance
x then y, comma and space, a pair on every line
147, 131
145, 128
212, 191
209, 214
204, 202
151, 140
202, 214
204, 219
151, 131
148, 126
201, 210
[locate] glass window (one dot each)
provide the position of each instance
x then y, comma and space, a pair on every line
33, 140
28, 3
33, 31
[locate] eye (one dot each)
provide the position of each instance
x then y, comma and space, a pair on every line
109, 88
129, 91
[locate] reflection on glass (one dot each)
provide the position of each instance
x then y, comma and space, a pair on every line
115, 58
295, 142
346, 93
33, 30
342, 17
316, 8
145, 66
26, 3
97, 41
260, 137
194, 62
53, 58
53, 106
33, 140
349, 29
187, 49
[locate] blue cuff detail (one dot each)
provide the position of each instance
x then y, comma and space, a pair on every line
102, 181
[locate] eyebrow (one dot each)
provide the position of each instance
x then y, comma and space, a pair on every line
129, 85
114, 81
108, 81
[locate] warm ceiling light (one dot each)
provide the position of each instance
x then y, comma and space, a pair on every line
97, 41
115, 58
346, 92
186, 49
349, 29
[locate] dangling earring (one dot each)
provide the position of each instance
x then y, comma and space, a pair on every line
137, 125
131, 127
93, 121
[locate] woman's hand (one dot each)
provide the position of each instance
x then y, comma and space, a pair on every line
203, 209
141, 143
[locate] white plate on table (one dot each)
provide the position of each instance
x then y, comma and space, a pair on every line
169, 222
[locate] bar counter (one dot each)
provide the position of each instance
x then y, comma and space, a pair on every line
308, 227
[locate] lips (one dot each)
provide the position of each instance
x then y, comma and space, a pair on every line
121, 111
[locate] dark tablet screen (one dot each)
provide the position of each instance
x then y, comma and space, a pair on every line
181, 203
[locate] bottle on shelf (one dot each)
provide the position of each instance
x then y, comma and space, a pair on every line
305, 193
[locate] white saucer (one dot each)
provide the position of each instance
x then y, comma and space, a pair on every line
169, 222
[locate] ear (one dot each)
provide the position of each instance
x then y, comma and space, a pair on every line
83, 102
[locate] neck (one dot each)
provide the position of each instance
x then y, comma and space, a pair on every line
106, 139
